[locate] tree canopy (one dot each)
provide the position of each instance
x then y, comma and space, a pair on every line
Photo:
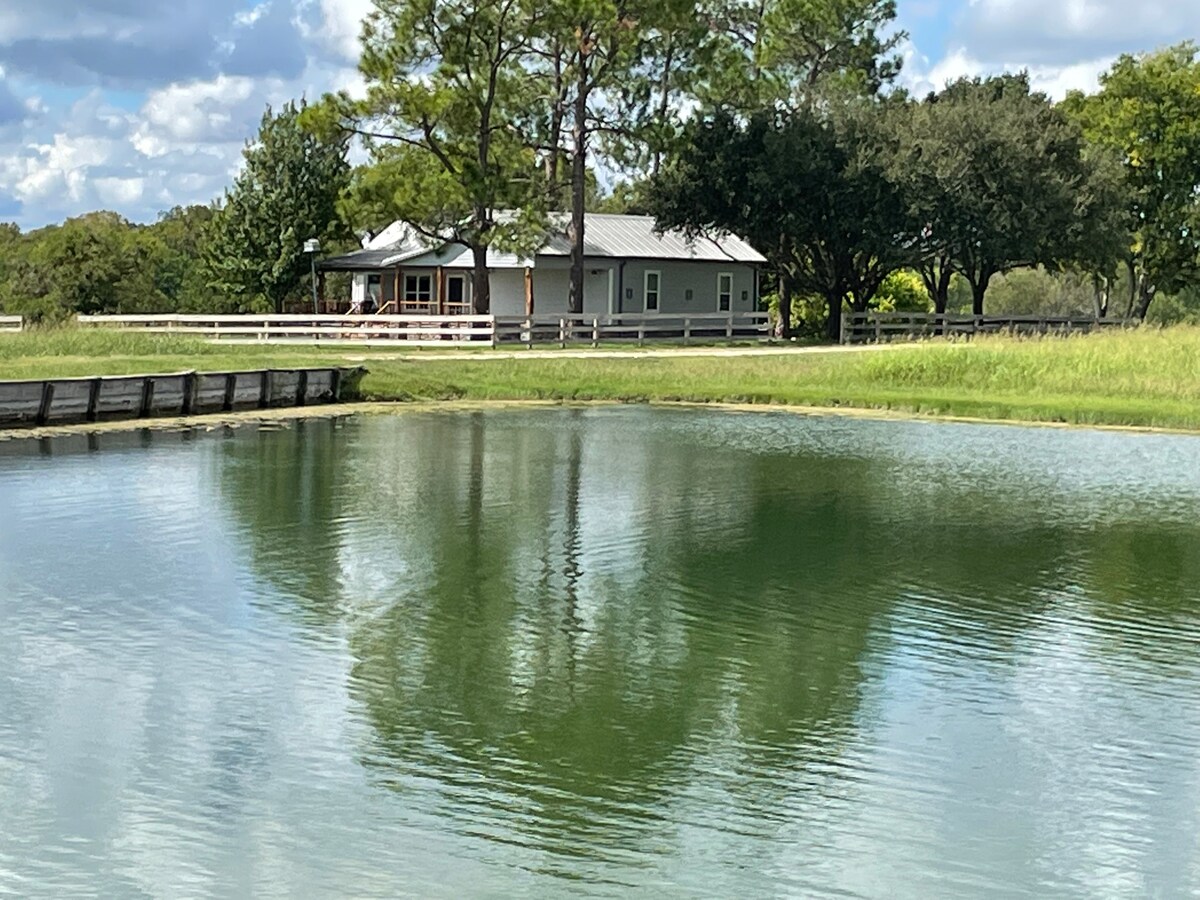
286, 193
446, 118
1147, 112
996, 177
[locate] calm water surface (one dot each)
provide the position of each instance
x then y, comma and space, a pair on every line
608, 652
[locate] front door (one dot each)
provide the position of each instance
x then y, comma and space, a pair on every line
456, 294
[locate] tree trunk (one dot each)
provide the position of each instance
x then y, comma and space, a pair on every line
978, 291
1146, 294
936, 276
554, 143
1101, 295
833, 325
785, 307
481, 281
1131, 267
578, 185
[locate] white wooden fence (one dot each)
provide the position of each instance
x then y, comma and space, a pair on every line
878, 327
386, 330
11, 323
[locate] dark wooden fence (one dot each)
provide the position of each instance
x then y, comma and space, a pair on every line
877, 327
73, 400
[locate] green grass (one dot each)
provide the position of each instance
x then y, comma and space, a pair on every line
1143, 378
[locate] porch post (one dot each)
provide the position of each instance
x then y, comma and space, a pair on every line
395, 290
441, 291
321, 292
528, 291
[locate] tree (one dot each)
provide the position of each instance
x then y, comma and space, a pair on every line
789, 53
996, 178
176, 245
448, 107
95, 263
611, 69
809, 192
286, 193
1148, 113
793, 73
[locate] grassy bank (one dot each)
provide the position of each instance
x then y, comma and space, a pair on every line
1146, 378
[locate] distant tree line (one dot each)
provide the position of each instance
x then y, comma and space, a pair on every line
242, 254
491, 122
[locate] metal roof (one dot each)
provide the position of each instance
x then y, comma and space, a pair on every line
359, 261
634, 237
606, 236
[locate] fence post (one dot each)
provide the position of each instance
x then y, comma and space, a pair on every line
562, 333
527, 334
264, 389
878, 329
147, 398
687, 330
495, 334
641, 332
729, 328
595, 332
43, 413
189, 395
93, 408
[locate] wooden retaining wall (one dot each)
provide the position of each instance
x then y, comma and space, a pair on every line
62, 401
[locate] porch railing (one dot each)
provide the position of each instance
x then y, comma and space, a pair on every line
562, 330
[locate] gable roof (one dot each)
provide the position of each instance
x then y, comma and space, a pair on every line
606, 236
634, 237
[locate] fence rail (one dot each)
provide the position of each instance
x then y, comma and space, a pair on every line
11, 323
874, 327
562, 330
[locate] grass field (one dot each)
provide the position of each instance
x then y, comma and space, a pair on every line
1144, 378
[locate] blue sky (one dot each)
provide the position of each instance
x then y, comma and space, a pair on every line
140, 105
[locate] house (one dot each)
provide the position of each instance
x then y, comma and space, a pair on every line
629, 268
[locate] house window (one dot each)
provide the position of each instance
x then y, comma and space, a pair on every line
652, 290
418, 289
725, 292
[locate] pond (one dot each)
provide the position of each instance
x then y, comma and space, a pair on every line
601, 652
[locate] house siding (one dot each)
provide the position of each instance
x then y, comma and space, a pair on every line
680, 277
606, 288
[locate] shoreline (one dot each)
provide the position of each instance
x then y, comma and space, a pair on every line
266, 417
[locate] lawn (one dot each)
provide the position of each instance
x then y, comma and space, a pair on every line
1142, 378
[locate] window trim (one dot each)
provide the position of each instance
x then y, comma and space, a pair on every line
721, 293
418, 296
657, 273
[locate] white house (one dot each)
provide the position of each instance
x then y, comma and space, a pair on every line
628, 269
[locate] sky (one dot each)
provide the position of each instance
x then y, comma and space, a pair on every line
141, 105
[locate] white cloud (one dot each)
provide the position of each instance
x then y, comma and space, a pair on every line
920, 78
1059, 33
200, 74
342, 22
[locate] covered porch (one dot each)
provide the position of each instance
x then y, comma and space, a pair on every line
379, 288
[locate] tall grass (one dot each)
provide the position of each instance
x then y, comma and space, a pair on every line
1148, 363
70, 341
1143, 378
